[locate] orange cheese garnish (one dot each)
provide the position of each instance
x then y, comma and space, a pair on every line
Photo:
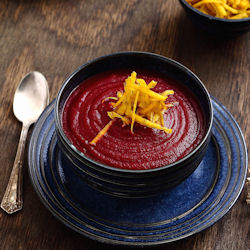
230, 9
102, 133
138, 103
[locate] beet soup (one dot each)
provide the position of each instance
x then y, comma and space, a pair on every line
85, 114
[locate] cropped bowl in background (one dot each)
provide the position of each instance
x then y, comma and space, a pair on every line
80, 170
215, 26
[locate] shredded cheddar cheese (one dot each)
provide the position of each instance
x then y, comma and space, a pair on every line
229, 9
138, 103
102, 133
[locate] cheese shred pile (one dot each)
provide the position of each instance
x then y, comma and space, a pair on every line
138, 103
229, 9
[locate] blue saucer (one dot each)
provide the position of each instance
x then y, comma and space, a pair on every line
191, 207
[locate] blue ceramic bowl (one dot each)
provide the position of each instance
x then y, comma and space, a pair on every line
215, 26
79, 169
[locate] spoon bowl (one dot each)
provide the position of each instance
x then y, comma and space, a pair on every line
30, 99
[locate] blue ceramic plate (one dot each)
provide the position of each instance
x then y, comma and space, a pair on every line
191, 207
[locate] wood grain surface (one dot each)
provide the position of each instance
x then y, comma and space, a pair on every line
55, 37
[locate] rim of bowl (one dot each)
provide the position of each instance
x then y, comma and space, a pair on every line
224, 20
79, 154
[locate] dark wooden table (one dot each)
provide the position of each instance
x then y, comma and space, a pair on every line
55, 37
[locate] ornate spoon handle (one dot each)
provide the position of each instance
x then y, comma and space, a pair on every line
12, 200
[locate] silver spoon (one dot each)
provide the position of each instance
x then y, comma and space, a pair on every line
30, 99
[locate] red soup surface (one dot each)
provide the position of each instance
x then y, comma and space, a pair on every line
85, 114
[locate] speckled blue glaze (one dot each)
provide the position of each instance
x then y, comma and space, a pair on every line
195, 204
178, 198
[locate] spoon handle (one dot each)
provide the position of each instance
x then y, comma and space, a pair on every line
12, 200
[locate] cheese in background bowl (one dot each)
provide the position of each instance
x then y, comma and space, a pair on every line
220, 18
228, 9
